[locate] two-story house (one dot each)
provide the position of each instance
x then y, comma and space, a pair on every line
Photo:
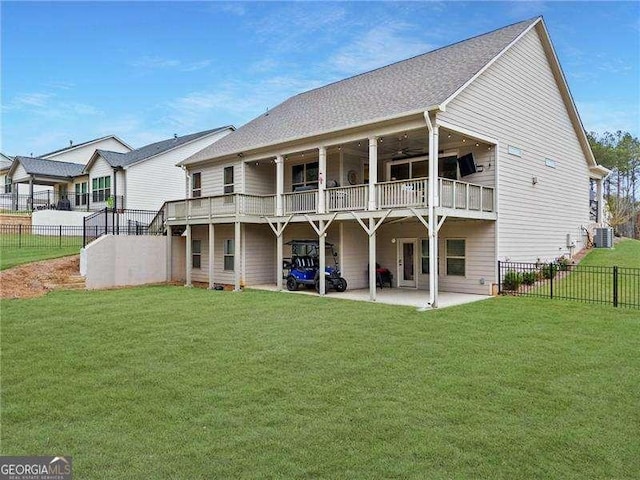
434, 167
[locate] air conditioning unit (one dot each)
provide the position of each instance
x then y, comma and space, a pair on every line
604, 237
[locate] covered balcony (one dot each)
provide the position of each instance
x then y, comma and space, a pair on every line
371, 174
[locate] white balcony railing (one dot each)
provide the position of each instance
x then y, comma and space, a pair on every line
402, 193
347, 198
397, 194
465, 196
300, 202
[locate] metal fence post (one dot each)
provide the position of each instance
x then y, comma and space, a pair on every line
60, 237
84, 232
19, 235
552, 273
499, 278
615, 286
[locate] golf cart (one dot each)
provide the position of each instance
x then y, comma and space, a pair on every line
303, 267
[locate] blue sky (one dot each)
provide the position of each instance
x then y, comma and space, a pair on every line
146, 70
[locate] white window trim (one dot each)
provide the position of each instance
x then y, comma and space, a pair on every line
196, 254
424, 254
232, 184
305, 182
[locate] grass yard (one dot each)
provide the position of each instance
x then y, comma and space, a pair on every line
625, 254
12, 256
168, 382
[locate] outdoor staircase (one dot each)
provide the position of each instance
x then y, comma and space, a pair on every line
72, 282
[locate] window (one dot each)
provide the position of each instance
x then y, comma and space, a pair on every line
101, 188
228, 179
7, 185
304, 175
196, 185
425, 255
196, 253
229, 251
81, 194
448, 167
456, 257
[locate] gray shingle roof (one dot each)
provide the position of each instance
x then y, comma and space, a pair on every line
406, 86
5, 162
123, 159
50, 168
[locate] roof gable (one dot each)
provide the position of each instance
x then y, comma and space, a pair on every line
83, 144
141, 154
399, 89
48, 168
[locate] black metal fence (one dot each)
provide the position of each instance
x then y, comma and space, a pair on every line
117, 222
617, 286
50, 200
46, 236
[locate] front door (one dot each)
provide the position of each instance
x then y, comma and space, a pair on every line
407, 262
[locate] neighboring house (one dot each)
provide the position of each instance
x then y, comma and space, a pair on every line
108, 172
356, 160
5, 180
147, 176
41, 182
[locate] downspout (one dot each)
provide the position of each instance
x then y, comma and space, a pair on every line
186, 181
431, 208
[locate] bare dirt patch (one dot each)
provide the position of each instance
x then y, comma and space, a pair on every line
37, 278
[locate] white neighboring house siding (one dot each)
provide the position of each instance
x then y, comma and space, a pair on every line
155, 180
517, 101
101, 168
23, 188
83, 154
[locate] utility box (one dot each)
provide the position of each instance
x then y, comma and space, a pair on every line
604, 237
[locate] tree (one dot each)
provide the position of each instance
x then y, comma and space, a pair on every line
620, 152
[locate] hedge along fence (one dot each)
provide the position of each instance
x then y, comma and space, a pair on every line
46, 236
617, 286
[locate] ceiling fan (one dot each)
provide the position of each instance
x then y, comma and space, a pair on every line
405, 152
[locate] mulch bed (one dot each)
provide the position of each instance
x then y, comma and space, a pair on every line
36, 279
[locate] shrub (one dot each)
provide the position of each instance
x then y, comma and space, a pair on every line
529, 278
512, 280
563, 263
548, 271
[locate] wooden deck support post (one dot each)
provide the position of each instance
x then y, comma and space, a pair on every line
372, 259
323, 257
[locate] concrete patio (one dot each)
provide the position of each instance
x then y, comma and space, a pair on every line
392, 296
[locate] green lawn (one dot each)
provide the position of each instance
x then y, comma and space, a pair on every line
625, 254
169, 382
12, 256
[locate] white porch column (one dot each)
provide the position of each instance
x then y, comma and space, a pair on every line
279, 185
434, 201
211, 255
323, 258
600, 199
236, 257
279, 257
188, 260
169, 252
372, 260
322, 178
373, 171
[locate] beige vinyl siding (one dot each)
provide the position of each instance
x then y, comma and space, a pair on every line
259, 255
178, 257
222, 232
480, 253
20, 173
333, 167
83, 154
212, 178
260, 179
517, 101
354, 254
